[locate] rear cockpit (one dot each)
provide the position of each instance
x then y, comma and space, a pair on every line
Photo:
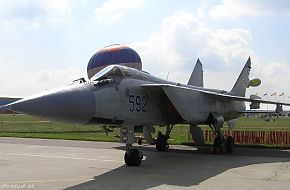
114, 72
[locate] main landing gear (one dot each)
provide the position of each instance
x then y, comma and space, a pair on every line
162, 139
230, 144
133, 156
216, 123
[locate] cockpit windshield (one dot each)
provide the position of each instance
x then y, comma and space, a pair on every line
109, 72
112, 72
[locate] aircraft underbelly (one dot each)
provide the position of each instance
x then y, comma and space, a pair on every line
228, 109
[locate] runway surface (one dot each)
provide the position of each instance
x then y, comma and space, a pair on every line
61, 164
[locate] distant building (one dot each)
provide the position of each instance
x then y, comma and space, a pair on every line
4, 101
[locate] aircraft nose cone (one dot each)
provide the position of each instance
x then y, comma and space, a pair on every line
75, 104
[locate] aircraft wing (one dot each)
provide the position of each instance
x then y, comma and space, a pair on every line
214, 94
244, 99
260, 111
179, 94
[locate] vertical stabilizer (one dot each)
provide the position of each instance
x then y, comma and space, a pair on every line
241, 84
196, 78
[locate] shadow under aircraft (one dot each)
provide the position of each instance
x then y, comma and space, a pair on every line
181, 168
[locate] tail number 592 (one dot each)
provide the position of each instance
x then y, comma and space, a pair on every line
137, 103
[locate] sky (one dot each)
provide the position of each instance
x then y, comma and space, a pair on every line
45, 44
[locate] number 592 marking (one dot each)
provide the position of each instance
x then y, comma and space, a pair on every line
137, 103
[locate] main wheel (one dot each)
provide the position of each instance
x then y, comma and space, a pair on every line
230, 144
217, 146
139, 141
133, 157
161, 142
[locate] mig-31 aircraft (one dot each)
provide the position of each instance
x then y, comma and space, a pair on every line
127, 97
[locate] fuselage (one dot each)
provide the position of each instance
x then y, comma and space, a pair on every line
116, 97
124, 101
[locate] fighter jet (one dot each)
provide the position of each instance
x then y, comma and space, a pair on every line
127, 97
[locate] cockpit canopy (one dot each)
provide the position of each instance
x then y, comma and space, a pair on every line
119, 72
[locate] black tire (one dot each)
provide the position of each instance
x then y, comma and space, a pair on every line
133, 157
218, 142
161, 143
230, 144
217, 150
139, 141
217, 146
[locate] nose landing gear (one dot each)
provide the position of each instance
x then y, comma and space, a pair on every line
133, 156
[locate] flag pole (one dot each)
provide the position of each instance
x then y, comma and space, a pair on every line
267, 100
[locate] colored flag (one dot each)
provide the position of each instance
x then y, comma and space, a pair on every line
282, 94
265, 94
273, 94
288, 96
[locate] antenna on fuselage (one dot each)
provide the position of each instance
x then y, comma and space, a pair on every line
167, 76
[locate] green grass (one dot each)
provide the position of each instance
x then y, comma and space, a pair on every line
280, 124
31, 127
91, 136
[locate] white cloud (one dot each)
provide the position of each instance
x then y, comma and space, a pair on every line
56, 10
232, 9
275, 76
31, 14
223, 52
115, 9
28, 83
184, 38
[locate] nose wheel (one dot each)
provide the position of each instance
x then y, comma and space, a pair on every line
133, 157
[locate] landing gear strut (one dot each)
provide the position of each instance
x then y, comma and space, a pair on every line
162, 140
133, 156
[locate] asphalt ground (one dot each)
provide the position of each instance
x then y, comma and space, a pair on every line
63, 164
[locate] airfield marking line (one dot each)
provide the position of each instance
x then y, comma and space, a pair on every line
45, 181
62, 157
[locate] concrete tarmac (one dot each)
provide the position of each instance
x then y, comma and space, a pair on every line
62, 164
